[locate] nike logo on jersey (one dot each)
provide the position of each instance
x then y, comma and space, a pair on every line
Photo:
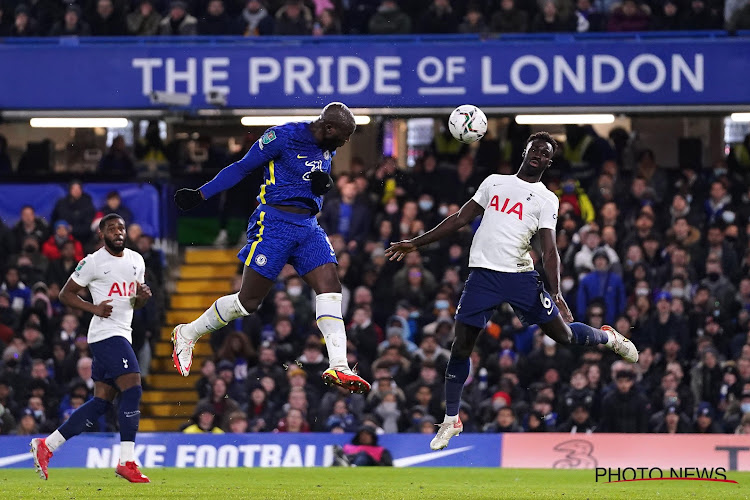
301, 157
107, 272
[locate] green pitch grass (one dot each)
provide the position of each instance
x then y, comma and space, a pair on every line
355, 483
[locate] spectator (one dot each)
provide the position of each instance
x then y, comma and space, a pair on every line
52, 248
439, 18
71, 24
144, 20
237, 423
698, 17
629, 16
114, 205
389, 20
293, 19
24, 24
327, 23
220, 402
602, 284
260, 410
204, 420
4, 167
117, 162
570, 192
105, 21
177, 22
588, 18
363, 451
256, 19
347, 216
505, 421
341, 417
704, 420
667, 16
625, 409
550, 20
19, 294
77, 209
29, 225
216, 21
509, 19
293, 421
672, 422
473, 21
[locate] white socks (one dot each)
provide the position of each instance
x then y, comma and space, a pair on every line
224, 310
54, 441
450, 420
331, 323
127, 452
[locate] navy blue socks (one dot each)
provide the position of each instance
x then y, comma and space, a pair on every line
130, 414
586, 335
455, 376
84, 417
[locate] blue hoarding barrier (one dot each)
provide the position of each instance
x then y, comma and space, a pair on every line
421, 71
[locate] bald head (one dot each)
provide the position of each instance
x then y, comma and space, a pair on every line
339, 114
334, 127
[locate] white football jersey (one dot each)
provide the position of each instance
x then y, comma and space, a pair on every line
514, 210
110, 277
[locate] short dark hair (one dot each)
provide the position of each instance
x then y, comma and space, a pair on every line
107, 218
544, 136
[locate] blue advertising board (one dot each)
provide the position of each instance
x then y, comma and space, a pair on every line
142, 199
380, 72
250, 450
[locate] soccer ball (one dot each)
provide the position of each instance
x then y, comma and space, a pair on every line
467, 123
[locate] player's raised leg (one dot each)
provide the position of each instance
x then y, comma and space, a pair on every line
81, 419
456, 374
585, 335
324, 280
227, 308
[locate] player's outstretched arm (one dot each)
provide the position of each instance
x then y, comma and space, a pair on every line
69, 297
551, 262
470, 211
256, 157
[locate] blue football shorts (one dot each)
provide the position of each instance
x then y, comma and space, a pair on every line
113, 357
485, 290
275, 238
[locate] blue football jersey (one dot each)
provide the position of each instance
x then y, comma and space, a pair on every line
289, 154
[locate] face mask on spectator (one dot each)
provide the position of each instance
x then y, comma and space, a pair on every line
745, 407
29, 249
567, 284
389, 405
677, 293
568, 188
425, 205
294, 291
728, 217
641, 292
713, 276
443, 210
442, 304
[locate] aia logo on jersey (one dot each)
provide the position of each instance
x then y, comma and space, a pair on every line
122, 289
515, 209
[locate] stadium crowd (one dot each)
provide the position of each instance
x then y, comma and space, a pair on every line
660, 253
28, 18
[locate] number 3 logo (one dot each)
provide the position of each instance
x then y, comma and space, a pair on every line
546, 303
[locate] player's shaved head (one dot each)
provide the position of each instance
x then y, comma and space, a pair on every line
334, 126
339, 115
